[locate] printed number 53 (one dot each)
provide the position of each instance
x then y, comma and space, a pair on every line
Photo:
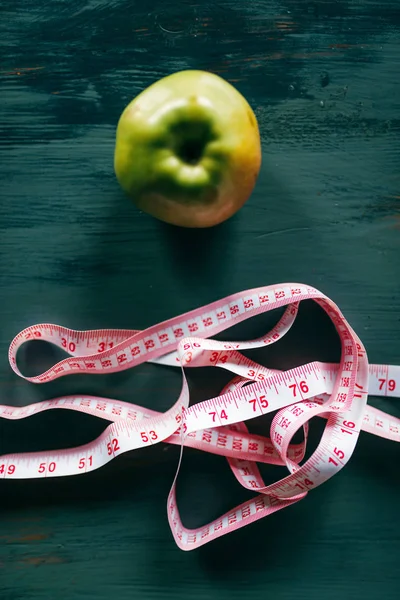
151, 435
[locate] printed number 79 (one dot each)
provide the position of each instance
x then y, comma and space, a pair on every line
391, 384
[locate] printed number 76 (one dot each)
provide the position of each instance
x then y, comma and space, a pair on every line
302, 385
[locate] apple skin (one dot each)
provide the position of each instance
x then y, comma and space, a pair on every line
188, 150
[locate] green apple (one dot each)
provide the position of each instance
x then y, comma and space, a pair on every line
188, 150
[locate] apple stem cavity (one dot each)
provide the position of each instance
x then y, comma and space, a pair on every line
190, 151
190, 138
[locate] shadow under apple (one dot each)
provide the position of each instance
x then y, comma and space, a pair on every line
197, 252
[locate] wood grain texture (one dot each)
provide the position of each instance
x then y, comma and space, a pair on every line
323, 79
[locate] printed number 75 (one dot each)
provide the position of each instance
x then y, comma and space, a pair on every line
263, 402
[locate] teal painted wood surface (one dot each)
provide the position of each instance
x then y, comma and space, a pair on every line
322, 77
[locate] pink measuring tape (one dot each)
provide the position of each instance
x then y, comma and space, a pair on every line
336, 392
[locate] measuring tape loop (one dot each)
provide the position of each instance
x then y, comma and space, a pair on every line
337, 393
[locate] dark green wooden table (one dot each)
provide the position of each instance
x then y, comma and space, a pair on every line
323, 79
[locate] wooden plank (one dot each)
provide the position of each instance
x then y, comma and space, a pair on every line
322, 78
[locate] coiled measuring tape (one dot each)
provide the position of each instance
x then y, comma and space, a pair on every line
337, 393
